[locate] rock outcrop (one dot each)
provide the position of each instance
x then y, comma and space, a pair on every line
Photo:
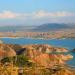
42, 54
6, 51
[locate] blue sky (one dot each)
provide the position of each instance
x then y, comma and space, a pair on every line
31, 12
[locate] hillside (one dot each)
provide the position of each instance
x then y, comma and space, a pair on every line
36, 60
36, 53
52, 26
42, 27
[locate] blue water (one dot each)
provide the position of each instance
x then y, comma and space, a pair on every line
66, 43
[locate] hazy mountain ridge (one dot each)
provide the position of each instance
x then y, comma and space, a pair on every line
53, 26
15, 28
42, 27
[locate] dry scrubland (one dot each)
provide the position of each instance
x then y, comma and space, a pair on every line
34, 60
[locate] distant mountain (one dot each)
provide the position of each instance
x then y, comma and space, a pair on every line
43, 27
52, 26
15, 28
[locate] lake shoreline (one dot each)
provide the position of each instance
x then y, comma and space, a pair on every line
37, 38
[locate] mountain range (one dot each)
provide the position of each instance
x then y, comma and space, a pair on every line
52, 26
43, 27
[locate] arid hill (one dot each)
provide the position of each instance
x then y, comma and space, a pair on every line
44, 56
6, 51
40, 54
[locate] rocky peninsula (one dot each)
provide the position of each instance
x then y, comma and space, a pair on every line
40, 56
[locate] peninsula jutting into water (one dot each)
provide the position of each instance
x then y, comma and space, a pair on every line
34, 59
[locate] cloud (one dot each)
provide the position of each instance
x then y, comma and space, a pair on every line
11, 15
38, 17
7, 15
42, 14
34, 15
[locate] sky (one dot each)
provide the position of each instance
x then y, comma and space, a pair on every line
36, 12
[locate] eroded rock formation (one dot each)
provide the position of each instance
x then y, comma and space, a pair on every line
42, 54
